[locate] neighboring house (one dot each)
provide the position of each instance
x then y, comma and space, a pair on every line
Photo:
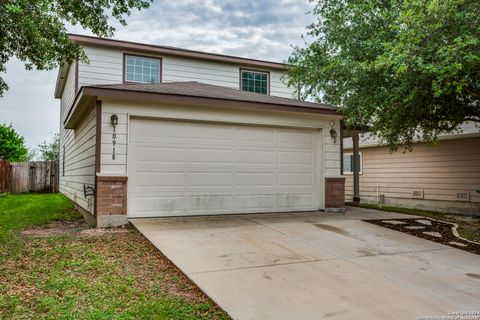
444, 177
154, 131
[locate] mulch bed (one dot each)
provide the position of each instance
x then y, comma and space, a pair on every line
415, 227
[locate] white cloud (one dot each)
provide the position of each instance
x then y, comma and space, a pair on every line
29, 104
263, 29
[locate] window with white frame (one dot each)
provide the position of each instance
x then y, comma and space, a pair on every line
254, 81
142, 69
348, 163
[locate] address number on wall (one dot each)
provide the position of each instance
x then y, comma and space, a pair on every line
114, 142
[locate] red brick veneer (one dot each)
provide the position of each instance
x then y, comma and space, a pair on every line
111, 195
334, 192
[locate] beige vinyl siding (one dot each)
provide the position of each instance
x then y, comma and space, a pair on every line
440, 171
278, 87
332, 153
79, 145
79, 160
331, 161
106, 67
68, 94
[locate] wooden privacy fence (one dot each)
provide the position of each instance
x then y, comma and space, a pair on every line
4, 174
33, 176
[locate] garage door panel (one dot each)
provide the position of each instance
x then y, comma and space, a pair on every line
170, 204
201, 131
158, 155
150, 130
286, 201
255, 157
296, 158
253, 179
255, 136
295, 179
210, 179
203, 203
297, 138
221, 168
210, 155
159, 179
257, 201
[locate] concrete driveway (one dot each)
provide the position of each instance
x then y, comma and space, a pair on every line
317, 266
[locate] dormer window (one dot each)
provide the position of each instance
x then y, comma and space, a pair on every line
142, 69
254, 81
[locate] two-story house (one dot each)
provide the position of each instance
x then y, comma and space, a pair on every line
154, 131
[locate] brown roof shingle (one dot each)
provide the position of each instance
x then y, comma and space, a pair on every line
202, 90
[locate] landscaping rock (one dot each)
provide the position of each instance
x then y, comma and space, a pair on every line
395, 222
433, 230
458, 244
433, 234
424, 221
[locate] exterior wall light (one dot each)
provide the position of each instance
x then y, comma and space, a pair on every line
333, 132
114, 119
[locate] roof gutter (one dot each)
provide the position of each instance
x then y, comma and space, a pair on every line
61, 79
88, 93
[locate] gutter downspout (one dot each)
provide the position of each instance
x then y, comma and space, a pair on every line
356, 170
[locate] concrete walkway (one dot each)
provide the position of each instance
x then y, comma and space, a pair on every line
317, 266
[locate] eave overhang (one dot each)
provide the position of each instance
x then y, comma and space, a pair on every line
87, 95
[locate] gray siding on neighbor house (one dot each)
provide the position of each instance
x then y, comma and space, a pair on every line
438, 172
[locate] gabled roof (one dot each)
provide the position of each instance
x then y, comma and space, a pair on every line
167, 50
161, 50
195, 93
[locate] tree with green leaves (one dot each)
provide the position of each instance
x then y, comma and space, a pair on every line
50, 150
35, 32
12, 145
408, 69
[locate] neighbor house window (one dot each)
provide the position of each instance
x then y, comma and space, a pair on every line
348, 163
254, 81
142, 69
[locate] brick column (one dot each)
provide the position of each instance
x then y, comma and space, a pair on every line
335, 194
111, 202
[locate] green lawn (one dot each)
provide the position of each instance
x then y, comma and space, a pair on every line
29, 210
78, 275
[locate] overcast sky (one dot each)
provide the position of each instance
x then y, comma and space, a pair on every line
262, 29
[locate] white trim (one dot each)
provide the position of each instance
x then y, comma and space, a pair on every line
125, 67
106, 174
255, 71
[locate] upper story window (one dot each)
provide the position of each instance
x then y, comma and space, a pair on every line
254, 81
142, 69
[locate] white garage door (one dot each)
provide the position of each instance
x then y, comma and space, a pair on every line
192, 168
